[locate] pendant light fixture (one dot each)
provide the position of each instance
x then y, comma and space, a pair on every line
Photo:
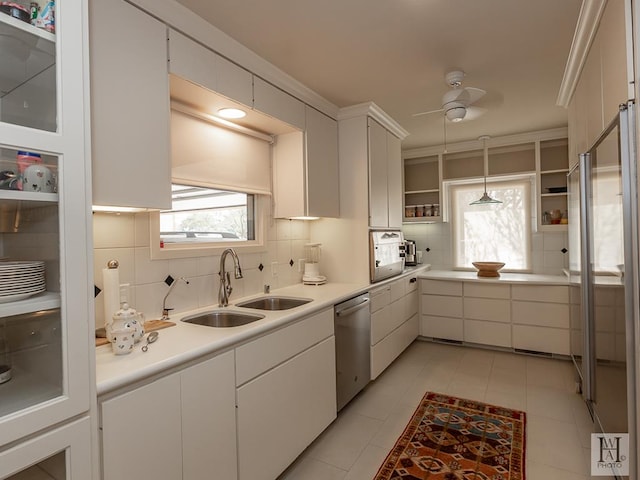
485, 199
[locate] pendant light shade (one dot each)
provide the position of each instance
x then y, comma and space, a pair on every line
485, 199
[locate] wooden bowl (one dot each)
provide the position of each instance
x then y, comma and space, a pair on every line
488, 269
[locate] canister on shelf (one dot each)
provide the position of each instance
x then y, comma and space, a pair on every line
46, 18
436, 209
409, 211
420, 211
428, 210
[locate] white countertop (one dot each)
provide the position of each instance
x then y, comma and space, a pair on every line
186, 342
468, 276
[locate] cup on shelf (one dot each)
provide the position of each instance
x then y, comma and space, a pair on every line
38, 178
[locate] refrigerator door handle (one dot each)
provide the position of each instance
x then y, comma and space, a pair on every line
588, 346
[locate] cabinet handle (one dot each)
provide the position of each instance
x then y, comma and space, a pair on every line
413, 280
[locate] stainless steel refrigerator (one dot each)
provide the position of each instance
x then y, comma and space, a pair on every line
603, 246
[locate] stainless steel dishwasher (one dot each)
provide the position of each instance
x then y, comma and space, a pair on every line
353, 347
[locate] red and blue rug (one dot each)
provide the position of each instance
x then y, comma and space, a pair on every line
450, 438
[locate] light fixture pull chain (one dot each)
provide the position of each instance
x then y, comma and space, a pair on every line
444, 126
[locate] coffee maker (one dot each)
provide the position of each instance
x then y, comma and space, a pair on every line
410, 253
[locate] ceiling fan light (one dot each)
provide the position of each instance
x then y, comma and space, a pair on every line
456, 114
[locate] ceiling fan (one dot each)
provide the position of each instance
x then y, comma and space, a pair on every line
457, 103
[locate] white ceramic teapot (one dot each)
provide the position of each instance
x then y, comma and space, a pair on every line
124, 318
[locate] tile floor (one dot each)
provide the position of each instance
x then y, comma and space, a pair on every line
558, 423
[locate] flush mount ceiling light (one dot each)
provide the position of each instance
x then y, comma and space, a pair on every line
485, 199
232, 113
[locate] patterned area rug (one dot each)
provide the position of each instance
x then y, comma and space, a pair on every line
451, 438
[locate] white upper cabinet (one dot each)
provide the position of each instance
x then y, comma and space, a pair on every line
306, 170
198, 64
394, 180
378, 195
191, 61
130, 106
278, 104
322, 179
233, 81
385, 177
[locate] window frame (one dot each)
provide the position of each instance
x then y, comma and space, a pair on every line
202, 249
449, 214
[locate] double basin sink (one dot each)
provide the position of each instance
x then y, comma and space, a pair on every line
233, 318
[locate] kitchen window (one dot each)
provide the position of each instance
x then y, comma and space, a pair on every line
202, 215
493, 232
205, 221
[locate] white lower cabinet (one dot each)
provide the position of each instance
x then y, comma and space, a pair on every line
181, 426
527, 317
388, 349
540, 339
394, 322
283, 410
208, 420
246, 413
441, 309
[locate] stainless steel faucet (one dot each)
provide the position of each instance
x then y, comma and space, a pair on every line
165, 310
225, 279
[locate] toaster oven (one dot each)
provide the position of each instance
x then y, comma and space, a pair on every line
386, 254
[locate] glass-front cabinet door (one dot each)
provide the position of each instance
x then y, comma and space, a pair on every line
46, 366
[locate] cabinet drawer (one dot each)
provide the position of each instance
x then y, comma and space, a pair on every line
442, 305
487, 333
411, 304
260, 355
386, 351
386, 320
541, 339
441, 327
478, 290
380, 298
541, 314
540, 293
487, 309
441, 287
397, 290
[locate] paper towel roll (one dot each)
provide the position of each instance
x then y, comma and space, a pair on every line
111, 290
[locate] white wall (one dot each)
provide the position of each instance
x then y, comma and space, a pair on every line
125, 237
546, 247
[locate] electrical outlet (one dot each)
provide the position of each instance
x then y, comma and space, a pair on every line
274, 269
125, 292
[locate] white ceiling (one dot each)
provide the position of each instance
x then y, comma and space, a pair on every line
396, 53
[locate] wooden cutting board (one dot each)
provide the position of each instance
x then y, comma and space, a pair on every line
149, 326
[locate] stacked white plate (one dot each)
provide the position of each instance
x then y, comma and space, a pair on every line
20, 280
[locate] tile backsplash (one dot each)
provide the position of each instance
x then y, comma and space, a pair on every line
125, 237
546, 247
